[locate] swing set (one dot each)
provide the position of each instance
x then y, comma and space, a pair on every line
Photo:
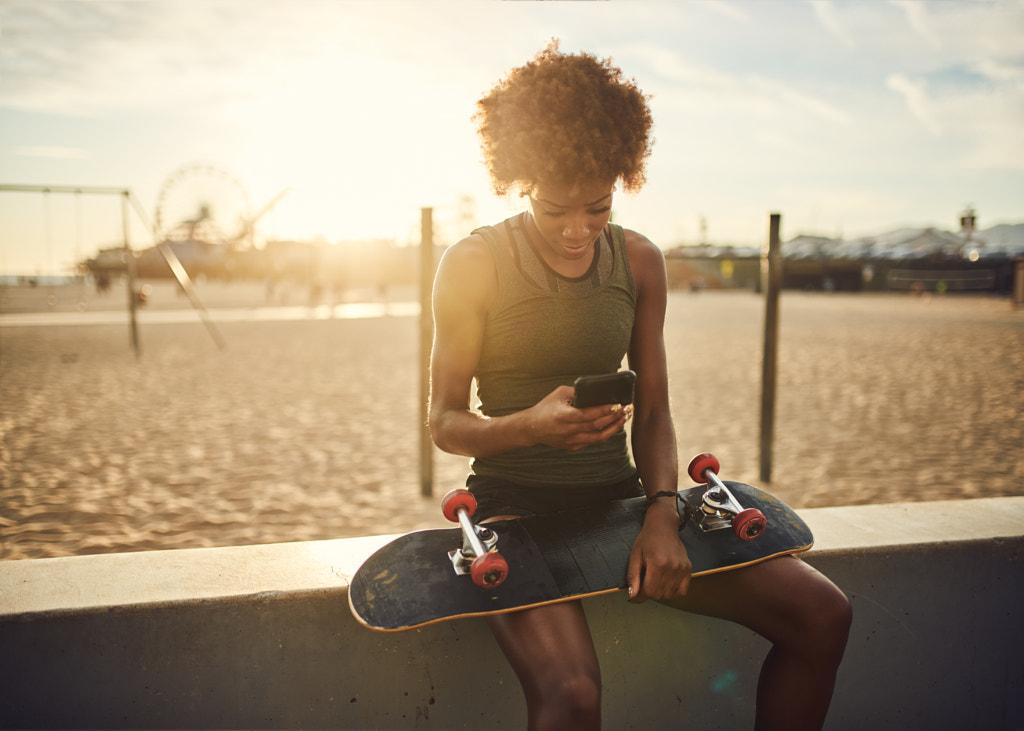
129, 202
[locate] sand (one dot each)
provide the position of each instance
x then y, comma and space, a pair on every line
308, 428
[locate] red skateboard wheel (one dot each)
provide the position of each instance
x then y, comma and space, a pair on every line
700, 463
460, 498
749, 524
489, 570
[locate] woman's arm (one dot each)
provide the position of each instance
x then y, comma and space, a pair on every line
659, 557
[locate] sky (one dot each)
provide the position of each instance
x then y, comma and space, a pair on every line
848, 117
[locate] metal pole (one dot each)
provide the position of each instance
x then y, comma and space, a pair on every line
771, 271
426, 343
180, 274
185, 281
129, 260
62, 189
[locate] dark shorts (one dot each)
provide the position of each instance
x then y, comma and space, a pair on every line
495, 496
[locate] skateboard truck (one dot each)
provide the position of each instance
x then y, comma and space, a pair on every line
719, 508
478, 556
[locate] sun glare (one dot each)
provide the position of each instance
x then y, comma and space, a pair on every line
362, 142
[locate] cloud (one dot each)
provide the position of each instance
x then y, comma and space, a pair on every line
668, 63
825, 12
690, 81
1001, 72
53, 152
915, 93
89, 59
728, 10
775, 89
919, 22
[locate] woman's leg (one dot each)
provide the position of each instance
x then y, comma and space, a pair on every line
805, 617
553, 655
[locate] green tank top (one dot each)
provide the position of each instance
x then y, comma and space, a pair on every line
545, 330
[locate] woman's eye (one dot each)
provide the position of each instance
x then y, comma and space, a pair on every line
591, 212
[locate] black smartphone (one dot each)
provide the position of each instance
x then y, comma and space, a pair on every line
610, 388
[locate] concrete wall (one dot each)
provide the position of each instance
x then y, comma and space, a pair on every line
261, 637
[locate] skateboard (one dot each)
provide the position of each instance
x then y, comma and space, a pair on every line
474, 570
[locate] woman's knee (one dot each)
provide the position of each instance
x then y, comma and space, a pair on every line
584, 690
577, 685
825, 620
552, 653
567, 699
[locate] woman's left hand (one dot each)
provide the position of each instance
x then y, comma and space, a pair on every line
659, 567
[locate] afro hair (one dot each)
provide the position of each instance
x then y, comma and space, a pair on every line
564, 119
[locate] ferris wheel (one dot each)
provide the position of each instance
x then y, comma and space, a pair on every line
202, 202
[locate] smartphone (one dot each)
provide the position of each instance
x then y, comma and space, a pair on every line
610, 388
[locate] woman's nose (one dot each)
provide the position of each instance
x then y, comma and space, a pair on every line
576, 228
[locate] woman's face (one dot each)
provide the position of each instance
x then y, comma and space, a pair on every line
569, 220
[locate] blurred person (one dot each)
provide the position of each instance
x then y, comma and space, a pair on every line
557, 291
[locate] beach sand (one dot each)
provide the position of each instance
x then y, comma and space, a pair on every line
308, 428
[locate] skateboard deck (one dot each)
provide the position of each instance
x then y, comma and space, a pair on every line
552, 558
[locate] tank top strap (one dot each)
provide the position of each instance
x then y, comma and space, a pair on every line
518, 252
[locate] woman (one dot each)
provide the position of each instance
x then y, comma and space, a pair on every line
556, 292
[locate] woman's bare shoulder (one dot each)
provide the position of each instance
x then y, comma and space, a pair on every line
467, 273
472, 251
645, 257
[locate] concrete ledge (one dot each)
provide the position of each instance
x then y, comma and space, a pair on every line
160, 578
261, 637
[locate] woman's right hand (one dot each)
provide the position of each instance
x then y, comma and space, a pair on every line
556, 422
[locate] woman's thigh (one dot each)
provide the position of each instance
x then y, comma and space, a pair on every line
785, 600
545, 642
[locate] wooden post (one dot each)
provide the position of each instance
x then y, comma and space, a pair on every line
426, 343
1018, 282
129, 261
771, 272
